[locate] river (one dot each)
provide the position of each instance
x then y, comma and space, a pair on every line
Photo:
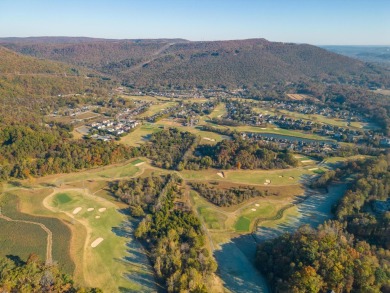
236, 265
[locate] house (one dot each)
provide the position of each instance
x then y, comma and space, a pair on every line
385, 142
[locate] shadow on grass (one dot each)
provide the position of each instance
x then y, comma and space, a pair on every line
141, 271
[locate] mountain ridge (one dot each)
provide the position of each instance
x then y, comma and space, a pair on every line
182, 64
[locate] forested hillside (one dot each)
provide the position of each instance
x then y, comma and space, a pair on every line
349, 254
178, 64
24, 76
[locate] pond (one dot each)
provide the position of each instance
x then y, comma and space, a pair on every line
236, 265
281, 137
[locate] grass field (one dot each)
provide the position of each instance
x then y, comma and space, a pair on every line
146, 98
101, 173
277, 177
140, 135
154, 109
219, 111
208, 137
21, 239
209, 212
243, 224
103, 266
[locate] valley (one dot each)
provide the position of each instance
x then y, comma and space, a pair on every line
178, 166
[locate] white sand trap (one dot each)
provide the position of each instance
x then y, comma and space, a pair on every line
220, 175
208, 138
102, 210
267, 181
77, 210
90, 209
97, 242
97, 217
280, 176
263, 128
307, 161
297, 157
276, 128
253, 210
219, 116
257, 205
312, 169
291, 178
139, 164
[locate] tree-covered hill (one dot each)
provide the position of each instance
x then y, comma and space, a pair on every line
181, 64
25, 76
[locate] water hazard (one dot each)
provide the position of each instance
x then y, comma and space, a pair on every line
236, 258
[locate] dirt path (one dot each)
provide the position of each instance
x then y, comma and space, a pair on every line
49, 240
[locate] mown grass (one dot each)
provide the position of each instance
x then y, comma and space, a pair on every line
243, 224
104, 266
101, 173
154, 109
137, 161
277, 177
209, 212
140, 135
218, 111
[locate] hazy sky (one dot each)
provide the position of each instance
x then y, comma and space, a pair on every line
303, 21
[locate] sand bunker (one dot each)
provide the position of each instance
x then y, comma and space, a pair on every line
97, 217
297, 157
312, 169
253, 210
267, 181
220, 175
307, 161
102, 210
291, 178
257, 205
263, 128
139, 164
208, 138
97, 242
90, 209
77, 210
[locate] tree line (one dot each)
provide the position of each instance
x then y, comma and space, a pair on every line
173, 235
34, 276
349, 254
229, 196
241, 154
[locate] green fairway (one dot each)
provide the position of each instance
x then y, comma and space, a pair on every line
243, 224
218, 111
158, 107
291, 176
140, 135
61, 198
209, 212
136, 162
104, 266
262, 210
101, 173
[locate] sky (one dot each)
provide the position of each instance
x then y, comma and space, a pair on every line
318, 22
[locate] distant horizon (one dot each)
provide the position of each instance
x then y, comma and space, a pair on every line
335, 22
173, 38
